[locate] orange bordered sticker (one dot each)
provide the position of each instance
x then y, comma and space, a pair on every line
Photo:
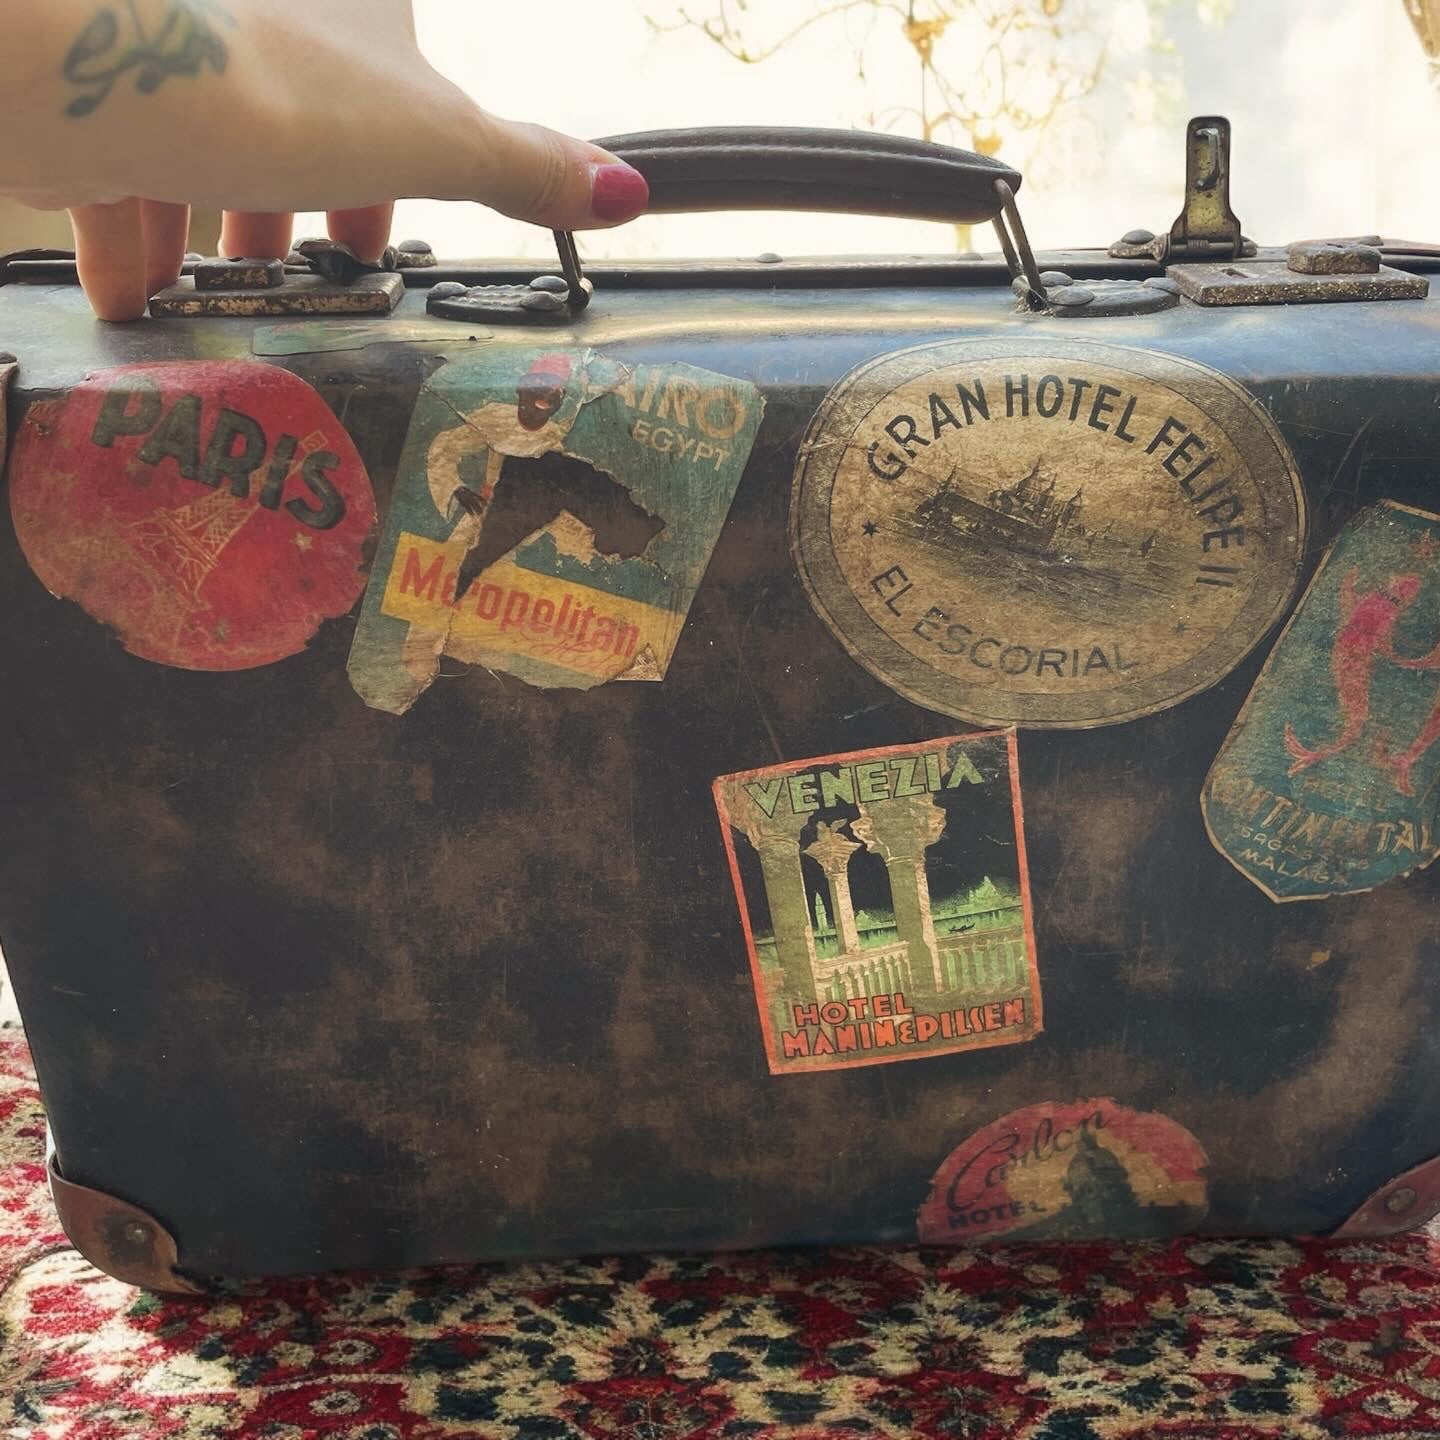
1088, 1170
885, 902
212, 513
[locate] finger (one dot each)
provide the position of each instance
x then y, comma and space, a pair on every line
110, 258
254, 234
366, 231
536, 174
165, 228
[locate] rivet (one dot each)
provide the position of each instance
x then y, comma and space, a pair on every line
769, 257
555, 284
1397, 1202
414, 247
136, 1233
448, 290
1068, 295
541, 300
1137, 237
1055, 277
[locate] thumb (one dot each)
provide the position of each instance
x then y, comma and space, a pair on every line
531, 173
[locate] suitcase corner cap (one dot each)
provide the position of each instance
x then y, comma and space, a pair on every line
1408, 1202
118, 1237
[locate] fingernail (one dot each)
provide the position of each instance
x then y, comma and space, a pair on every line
617, 192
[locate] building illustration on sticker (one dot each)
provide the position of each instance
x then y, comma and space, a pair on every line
1086, 1170
885, 901
1329, 782
554, 513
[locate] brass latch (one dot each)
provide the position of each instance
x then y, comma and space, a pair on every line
1310, 272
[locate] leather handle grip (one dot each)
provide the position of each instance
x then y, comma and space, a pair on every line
852, 171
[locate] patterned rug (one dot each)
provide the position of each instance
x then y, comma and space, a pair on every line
1225, 1341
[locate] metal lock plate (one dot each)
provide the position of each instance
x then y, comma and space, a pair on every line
1268, 279
337, 283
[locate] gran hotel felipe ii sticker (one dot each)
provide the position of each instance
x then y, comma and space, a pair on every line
885, 902
554, 513
1329, 782
1045, 532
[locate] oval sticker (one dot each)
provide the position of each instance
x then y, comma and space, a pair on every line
211, 513
1051, 533
1089, 1170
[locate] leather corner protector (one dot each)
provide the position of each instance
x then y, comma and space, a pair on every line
8, 367
118, 1238
1405, 1203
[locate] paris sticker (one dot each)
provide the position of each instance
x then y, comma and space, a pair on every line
1329, 782
885, 902
554, 513
213, 513
1045, 532
1086, 1170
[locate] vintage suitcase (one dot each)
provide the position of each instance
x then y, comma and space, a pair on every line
938, 748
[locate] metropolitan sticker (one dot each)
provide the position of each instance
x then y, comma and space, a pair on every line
1329, 781
1048, 533
885, 902
1088, 1170
554, 513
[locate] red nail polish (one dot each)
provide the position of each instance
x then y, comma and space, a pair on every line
617, 192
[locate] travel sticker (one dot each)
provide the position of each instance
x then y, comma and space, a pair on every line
885, 902
554, 513
1329, 782
213, 514
1045, 532
1090, 1170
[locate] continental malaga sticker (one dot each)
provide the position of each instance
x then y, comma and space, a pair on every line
1046, 532
213, 514
1089, 1170
885, 902
554, 513
1329, 782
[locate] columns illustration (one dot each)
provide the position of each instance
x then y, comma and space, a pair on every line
776, 840
900, 831
833, 850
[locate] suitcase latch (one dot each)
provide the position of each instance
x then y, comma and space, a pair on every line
1308, 273
336, 282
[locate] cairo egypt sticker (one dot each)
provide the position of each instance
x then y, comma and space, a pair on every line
1330, 780
885, 902
1045, 533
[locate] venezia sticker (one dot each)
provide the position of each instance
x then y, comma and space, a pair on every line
554, 513
212, 513
1049, 533
1329, 781
885, 902
1091, 1170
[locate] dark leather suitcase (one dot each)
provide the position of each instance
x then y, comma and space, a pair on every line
938, 748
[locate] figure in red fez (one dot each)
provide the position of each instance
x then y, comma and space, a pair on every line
1366, 632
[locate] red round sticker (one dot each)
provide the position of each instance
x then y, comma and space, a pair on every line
1084, 1171
211, 513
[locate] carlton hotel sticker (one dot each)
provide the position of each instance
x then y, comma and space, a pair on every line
554, 513
885, 902
1045, 532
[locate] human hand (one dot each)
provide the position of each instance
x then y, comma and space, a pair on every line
262, 108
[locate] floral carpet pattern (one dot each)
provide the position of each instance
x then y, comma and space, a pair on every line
1194, 1340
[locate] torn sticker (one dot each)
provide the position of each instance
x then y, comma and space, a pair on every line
213, 513
885, 902
569, 501
1329, 781
1088, 1170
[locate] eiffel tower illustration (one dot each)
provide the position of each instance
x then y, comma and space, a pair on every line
185, 544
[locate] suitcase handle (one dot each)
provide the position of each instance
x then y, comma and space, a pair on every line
778, 168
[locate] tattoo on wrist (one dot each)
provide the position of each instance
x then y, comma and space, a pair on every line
117, 41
